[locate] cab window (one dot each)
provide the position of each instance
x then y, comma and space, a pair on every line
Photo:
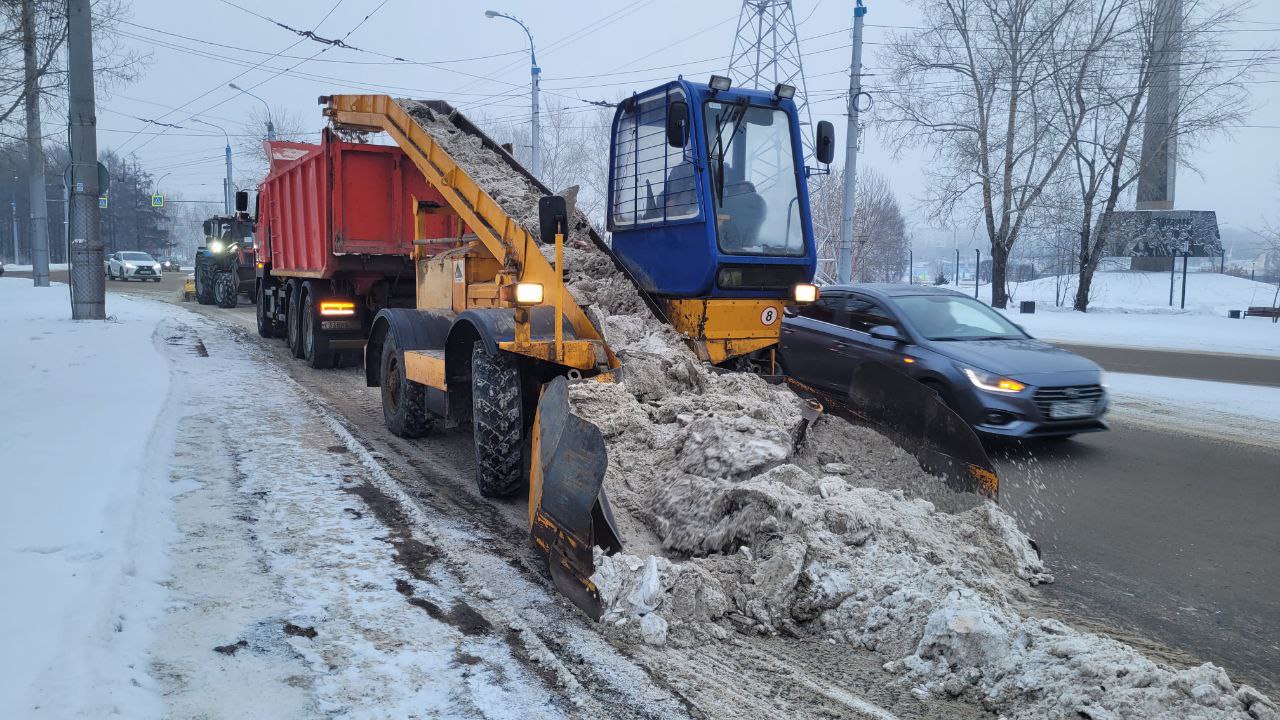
653, 182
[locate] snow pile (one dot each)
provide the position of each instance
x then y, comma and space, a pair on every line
733, 523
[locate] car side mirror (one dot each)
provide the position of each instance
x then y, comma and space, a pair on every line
888, 332
825, 143
677, 123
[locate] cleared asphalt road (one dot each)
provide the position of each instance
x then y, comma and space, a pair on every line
1181, 364
1169, 535
1166, 535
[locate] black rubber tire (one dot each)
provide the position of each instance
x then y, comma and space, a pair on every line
404, 402
313, 339
497, 422
266, 324
293, 334
204, 284
225, 291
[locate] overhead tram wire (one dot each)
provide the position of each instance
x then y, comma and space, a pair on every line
210, 91
323, 60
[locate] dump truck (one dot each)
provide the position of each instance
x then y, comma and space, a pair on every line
709, 215
224, 264
336, 223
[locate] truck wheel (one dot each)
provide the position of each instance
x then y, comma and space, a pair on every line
204, 284
266, 323
225, 292
404, 402
293, 327
497, 422
314, 344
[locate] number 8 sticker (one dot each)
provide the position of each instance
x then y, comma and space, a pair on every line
769, 315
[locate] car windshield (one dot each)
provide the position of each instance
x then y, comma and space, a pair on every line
954, 317
753, 180
140, 257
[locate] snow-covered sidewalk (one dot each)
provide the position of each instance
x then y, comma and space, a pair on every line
187, 535
1154, 331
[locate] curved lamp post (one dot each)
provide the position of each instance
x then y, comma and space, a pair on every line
534, 72
271, 128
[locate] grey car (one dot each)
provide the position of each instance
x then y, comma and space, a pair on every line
999, 379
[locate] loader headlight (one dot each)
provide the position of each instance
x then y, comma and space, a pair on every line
523, 294
216, 246
992, 383
804, 292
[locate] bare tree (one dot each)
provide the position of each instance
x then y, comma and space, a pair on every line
252, 163
978, 81
113, 62
881, 245
1207, 94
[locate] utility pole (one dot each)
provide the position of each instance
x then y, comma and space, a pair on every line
13, 212
35, 151
228, 186
88, 283
844, 266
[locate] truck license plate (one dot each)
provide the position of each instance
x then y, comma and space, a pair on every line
339, 324
1063, 410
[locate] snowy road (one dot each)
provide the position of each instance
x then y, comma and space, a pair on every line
302, 563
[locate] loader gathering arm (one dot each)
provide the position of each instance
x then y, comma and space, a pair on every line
515, 250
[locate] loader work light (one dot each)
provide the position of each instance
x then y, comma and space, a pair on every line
337, 308
804, 292
720, 83
784, 91
523, 294
215, 246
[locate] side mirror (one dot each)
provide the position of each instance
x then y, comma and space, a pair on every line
553, 218
825, 142
887, 332
677, 123
242, 201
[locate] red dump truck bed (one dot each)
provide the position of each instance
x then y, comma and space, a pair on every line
342, 207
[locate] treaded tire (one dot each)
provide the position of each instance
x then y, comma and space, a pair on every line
266, 324
312, 335
293, 335
497, 422
204, 283
404, 402
225, 291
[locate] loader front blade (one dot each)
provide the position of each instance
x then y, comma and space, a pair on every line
916, 419
568, 512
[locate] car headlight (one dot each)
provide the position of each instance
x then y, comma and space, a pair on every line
1102, 379
215, 246
130, 265
992, 383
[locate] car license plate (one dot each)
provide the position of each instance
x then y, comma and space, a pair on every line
1063, 410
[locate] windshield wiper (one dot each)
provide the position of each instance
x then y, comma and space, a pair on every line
733, 114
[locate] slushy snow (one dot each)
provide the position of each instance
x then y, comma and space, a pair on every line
732, 525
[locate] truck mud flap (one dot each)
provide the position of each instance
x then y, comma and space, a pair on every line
916, 419
569, 514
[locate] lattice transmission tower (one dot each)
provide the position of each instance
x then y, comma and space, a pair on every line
766, 51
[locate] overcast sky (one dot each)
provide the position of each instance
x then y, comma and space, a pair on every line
588, 49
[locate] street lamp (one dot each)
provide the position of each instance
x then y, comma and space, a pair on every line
228, 188
534, 72
271, 128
